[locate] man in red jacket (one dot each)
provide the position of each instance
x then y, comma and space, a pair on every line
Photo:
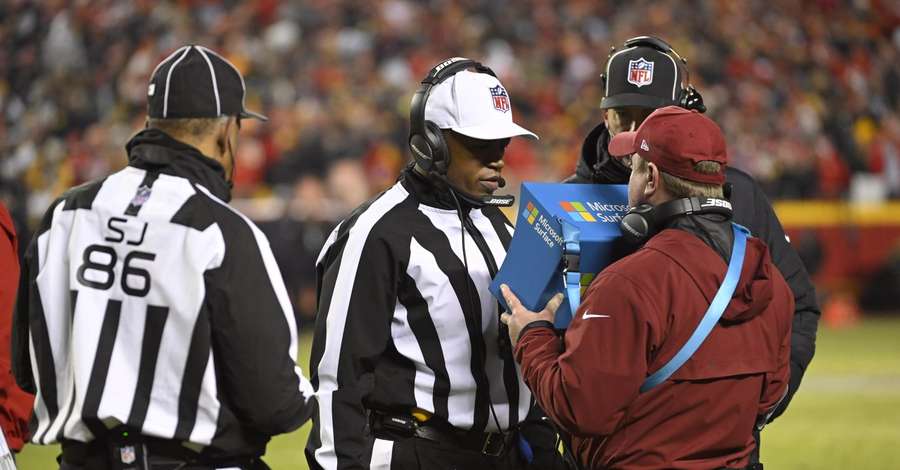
15, 404
642, 309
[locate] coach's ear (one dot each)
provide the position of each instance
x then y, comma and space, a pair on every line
654, 179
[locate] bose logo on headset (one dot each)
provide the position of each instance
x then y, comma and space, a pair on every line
444, 64
497, 201
419, 152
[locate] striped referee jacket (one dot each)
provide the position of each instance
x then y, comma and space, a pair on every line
145, 300
405, 320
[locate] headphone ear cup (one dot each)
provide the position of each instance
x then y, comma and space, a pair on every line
422, 152
692, 100
637, 224
440, 154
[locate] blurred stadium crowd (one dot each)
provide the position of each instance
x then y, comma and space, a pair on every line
808, 92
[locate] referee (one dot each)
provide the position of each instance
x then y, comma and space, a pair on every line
152, 321
412, 368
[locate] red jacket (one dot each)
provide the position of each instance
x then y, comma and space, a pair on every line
646, 307
15, 405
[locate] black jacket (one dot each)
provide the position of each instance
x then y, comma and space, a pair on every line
753, 210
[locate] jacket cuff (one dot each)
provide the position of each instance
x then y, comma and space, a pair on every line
533, 325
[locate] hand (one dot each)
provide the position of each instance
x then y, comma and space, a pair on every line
519, 316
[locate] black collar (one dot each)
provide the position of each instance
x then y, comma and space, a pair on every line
714, 230
154, 150
431, 191
596, 165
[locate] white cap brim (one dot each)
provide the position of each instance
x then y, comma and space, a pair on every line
494, 131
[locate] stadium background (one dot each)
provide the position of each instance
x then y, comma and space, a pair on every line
807, 92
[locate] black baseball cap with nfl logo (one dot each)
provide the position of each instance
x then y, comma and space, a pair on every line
196, 82
642, 75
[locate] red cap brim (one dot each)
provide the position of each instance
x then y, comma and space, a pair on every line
622, 144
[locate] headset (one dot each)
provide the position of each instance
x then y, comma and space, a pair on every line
429, 149
426, 141
644, 220
688, 97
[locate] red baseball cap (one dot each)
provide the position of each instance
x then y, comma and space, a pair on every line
676, 139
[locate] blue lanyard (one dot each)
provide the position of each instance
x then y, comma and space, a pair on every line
713, 313
571, 267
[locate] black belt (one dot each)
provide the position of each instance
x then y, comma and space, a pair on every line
95, 455
493, 444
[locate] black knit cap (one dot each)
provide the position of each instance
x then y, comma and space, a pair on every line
196, 82
641, 76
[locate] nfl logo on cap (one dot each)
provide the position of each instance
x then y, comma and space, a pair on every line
640, 72
501, 99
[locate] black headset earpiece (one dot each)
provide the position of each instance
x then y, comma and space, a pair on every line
692, 100
637, 223
644, 220
612, 50
426, 142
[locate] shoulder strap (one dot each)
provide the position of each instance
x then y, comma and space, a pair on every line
713, 313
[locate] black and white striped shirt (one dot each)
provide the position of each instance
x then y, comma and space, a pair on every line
402, 324
147, 301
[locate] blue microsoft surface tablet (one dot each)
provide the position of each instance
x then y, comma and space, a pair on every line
533, 267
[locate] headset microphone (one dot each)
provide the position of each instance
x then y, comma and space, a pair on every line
501, 200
